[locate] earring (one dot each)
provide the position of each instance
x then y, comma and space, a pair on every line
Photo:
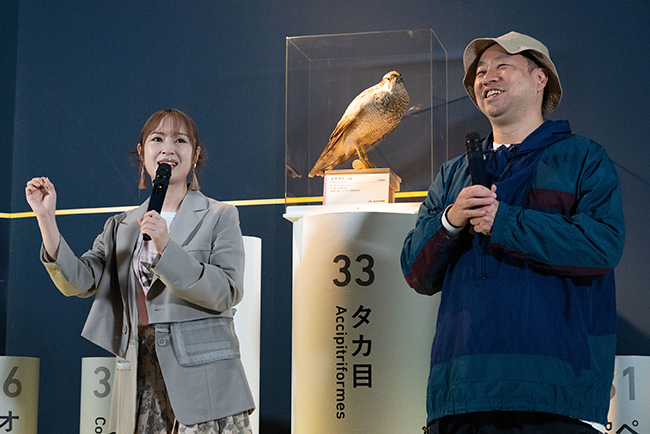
143, 178
194, 184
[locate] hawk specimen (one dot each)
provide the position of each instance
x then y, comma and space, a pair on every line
370, 117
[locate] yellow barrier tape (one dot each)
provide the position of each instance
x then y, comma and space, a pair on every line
411, 194
248, 202
113, 209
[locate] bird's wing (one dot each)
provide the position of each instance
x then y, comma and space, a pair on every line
332, 154
346, 123
352, 114
335, 152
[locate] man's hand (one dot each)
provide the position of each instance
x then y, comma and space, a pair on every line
475, 205
484, 223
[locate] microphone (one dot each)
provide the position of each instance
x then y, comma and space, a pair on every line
476, 162
160, 183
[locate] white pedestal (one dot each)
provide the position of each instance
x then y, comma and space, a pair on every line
96, 387
361, 336
19, 398
248, 321
628, 411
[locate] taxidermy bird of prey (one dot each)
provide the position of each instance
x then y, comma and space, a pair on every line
370, 117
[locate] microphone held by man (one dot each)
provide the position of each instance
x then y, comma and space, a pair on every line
476, 161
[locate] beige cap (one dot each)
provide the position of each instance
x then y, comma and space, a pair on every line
514, 43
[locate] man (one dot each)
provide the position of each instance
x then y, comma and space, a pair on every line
525, 338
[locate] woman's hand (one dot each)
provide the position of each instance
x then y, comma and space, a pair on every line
155, 226
41, 197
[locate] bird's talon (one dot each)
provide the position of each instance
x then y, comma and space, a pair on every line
362, 164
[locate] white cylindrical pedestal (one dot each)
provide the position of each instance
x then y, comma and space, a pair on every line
19, 397
361, 337
628, 411
248, 321
96, 387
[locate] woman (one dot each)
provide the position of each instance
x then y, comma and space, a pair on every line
163, 306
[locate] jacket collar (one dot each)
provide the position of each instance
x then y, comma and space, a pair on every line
545, 135
513, 172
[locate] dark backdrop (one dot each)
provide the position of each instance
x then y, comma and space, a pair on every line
79, 78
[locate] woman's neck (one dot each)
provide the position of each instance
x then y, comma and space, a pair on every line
175, 195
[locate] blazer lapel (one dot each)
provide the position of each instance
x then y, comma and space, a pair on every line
193, 209
127, 237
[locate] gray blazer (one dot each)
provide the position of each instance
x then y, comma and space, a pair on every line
197, 281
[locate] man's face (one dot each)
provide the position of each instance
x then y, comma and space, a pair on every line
505, 86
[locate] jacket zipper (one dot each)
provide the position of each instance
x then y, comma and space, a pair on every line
483, 243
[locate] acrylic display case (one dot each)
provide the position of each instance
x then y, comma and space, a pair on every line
325, 73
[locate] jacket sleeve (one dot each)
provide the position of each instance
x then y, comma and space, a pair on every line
587, 242
214, 280
79, 276
427, 249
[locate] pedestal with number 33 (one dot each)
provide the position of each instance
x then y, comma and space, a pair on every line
361, 336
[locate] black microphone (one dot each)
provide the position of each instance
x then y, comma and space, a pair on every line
476, 162
160, 183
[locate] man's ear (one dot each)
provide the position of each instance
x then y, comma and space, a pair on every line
542, 78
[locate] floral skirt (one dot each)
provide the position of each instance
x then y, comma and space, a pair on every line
154, 411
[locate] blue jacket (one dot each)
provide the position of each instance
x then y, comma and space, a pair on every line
527, 320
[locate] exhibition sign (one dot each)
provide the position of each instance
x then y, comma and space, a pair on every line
96, 387
361, 336
19, 397
628, 409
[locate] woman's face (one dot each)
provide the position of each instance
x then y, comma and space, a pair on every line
166, 145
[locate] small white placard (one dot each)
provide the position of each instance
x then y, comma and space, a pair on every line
348, 187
